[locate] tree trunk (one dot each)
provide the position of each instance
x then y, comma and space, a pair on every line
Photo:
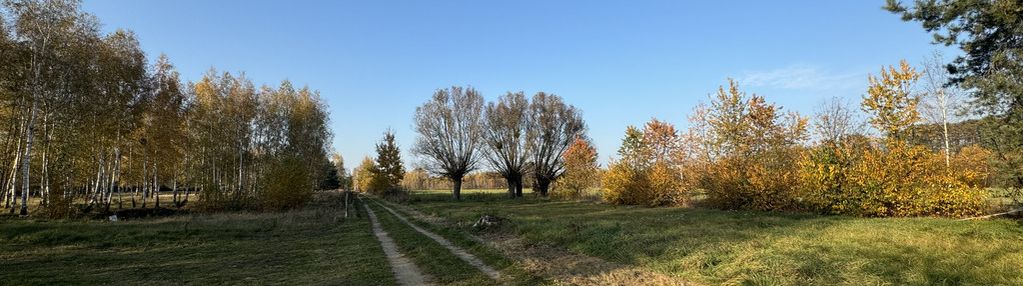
115, 177
518, 187
25, 172
511, 186
97, 186
174, 189
13, 180
145, 178
156, 185
44, 185
457, 191
542, 186
944, 126
9, 143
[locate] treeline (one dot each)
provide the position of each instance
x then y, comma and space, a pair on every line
87, 120
744, 153
740, 152
420, 179
518, 140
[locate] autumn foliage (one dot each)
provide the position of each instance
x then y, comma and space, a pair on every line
581, 170
752, 149
889, 176
746, 153
647, 171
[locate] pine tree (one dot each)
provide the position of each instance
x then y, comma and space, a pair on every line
388, 170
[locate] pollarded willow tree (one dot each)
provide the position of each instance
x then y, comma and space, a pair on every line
553, 126
506, 133
450, 127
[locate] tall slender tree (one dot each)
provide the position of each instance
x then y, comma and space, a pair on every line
43, 27
344, 178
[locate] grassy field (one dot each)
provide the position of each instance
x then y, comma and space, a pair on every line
758, 248
315, 245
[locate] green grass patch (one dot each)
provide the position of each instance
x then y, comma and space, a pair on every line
742, 247
315, 245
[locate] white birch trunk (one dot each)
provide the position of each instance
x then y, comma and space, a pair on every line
156, 185
27, 159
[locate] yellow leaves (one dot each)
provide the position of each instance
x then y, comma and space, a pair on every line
647, 172
581, 170
623, 185
890, 100
898, 180
743, 151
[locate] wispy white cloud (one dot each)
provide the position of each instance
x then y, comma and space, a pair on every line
802, 77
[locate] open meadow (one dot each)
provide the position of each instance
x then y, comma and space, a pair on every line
760, 248
318, 245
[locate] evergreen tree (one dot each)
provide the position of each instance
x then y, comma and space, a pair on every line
988, 33
388, 170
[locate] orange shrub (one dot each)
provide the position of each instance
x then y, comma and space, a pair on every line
647, 171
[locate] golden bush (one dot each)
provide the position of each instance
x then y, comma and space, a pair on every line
625, 184
897, 180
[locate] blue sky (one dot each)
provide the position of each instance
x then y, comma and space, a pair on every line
622, 62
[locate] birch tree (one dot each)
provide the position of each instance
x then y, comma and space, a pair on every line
42, 27
84, 112
940, 102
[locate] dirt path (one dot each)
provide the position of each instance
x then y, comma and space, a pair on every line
404, 270
562, 266
461, 253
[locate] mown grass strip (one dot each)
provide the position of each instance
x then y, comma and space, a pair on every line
312, 246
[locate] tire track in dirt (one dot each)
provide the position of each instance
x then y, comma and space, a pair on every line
562, 266
404, 270
457, 251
